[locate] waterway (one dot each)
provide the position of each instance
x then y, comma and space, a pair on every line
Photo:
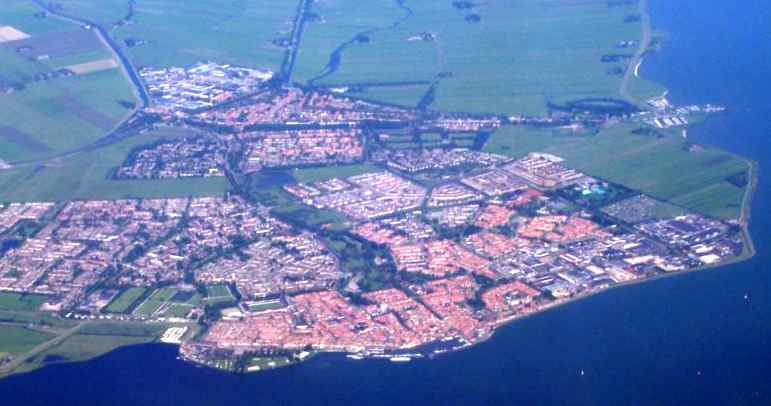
689, 339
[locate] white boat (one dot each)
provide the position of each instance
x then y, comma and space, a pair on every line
354, 356
401, 359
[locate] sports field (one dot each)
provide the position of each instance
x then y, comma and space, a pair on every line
154, 302
667, 168
46, 112
125, 300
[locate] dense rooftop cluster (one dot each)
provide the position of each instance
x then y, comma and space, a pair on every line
144, 243
300, 148
463, 240
522, 251
188, 157
200, 86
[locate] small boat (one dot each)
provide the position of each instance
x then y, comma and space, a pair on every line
354, 356
401, 359
582, 372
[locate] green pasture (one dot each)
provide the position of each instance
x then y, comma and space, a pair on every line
667, 168
180, 33
87, 176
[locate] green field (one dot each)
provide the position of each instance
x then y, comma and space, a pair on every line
182, 33
216, 291
82, 347
309, 175
515, 59
86, 176
17, 339
21, 14
125, 300
266, 188
155, 301
46, 117
268, 305
95, 339
33, 317
177, 310
665, 168
18, 301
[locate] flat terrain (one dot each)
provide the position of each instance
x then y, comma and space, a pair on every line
87, 176
125, 300
667, 168
18, 339
44, 112
307, 175
84, 341
18, 301
174, 33
496, 57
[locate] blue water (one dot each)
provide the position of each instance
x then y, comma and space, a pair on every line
690, 339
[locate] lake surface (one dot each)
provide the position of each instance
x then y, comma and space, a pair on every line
690, 339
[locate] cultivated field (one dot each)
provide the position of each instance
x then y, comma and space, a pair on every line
93, 66
667, 168
175, 33
499, 57
8, 33
87, 176
46, 112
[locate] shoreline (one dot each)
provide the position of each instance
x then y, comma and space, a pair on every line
744, 222
637, 59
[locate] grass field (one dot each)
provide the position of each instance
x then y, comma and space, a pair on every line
181, 33
125, 300
307, 175
21, 15
86, 176
177, 310
17, 301
665, 168
155, 301
216, 291
17, 339
515, 59
341, 22
82, 347
98, 338
45, 117
32, 317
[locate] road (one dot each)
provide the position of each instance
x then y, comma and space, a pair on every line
11, 366
125, 64
645, 42
287, 67
129, 72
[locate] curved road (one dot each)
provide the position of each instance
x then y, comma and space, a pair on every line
645, 42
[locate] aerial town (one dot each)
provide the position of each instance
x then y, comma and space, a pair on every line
459, 240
